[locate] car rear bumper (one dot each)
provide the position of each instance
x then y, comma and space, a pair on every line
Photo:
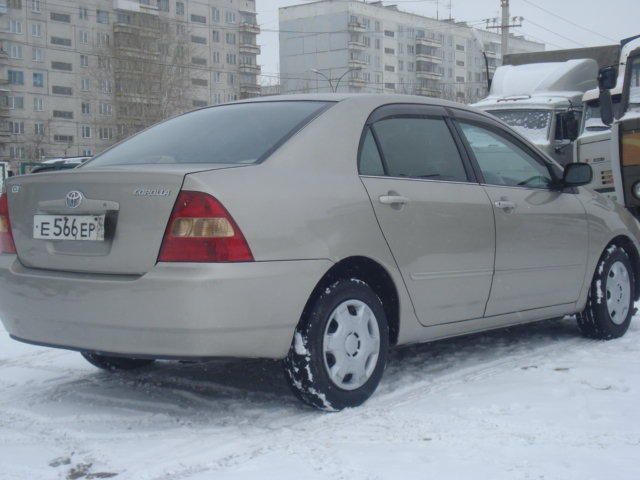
175, 310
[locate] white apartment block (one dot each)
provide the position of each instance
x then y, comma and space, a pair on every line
380, 49
79, 76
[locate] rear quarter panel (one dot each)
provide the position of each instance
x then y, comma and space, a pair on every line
307, 201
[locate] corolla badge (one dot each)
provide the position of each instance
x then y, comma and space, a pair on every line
74, 199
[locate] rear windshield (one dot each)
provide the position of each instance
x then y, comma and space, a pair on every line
240, 133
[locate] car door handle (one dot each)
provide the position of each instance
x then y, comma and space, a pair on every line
393, 200
505, 205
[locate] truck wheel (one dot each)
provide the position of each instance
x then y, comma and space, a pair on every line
113, 364
611, 296
340, 347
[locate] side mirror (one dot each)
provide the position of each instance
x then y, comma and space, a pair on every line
606, 107
577, 174
607, 78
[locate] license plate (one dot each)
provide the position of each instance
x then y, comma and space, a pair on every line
69, 227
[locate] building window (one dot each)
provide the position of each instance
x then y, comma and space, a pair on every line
37, 54
199, 61
389, 51
390, 86
83, 13
460, 63
231, 58
198, 18
230, 17
86, 152
400, 65
38, 128
163, 5
215, 14
16, 128
15, 26
35, 6
60, 17
389, 68
36, 29
198, 39
86, 131
58, 90
106, 109
389, 33
460, 79
86, 84
16, 103
103, 38
106, 133
199, 82
86, 108
38, 79
179, 8
64, 66
216, 36
230, 38
102, 16
460, 47
84, 37
216, 57
84, 61
106, 86
231, 79
16, 77
15, 51
63, 114
378, 43
38, 104
199, 103
65, 42
63, 138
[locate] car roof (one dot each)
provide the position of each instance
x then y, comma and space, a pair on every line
381, 99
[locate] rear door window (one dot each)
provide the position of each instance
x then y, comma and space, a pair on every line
419, 148
370, 162
241, 133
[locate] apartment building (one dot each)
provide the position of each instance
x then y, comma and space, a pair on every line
369, 47
82, 75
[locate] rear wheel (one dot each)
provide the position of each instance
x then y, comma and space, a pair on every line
611, 296
340, 347
113, 364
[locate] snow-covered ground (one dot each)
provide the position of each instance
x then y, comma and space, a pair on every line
533, 402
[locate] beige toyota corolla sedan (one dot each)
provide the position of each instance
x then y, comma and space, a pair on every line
322, 230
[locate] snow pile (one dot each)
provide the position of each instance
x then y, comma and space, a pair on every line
537, 401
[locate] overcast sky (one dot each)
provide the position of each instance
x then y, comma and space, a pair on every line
611, 19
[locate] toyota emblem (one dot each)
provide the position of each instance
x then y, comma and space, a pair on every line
74, 199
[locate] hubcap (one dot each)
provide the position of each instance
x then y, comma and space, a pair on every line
618, 291
351, 344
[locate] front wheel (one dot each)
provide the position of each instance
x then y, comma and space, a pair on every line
113, 364
340, 347
611, 296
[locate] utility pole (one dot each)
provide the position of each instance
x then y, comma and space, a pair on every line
504, 25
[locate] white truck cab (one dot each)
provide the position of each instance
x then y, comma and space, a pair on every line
543, 101
625, 123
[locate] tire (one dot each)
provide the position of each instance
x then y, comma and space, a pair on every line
609, 308
344, 331
113, 364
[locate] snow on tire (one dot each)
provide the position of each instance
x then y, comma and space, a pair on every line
340, 347
609, 306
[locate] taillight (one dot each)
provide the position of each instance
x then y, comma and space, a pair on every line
201, 230
6, 237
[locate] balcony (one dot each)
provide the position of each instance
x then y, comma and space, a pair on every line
251, 69
428, 74
356, 27
248, 90
250, 48
428, 57
357, 82
428, 42
249, 27
357, 45
131, 6
428, 92
357, 63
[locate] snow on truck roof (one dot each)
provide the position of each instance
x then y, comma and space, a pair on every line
538, 83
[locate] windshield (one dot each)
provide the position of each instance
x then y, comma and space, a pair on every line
240, 133
533, 124
592, 120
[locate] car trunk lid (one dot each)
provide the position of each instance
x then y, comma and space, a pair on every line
136, 200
